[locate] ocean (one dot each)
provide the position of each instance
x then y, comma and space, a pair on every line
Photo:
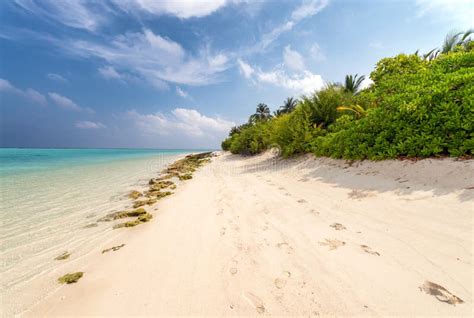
48, 197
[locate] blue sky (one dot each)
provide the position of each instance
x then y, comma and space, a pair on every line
179, 74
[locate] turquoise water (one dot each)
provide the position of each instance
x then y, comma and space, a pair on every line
23, 160
48, 197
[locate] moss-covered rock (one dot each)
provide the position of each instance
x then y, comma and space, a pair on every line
160, 185
142, 218
136, 212
145, 217
70, 278
63, 256
134, 194
122, 214
113, 248
186, 176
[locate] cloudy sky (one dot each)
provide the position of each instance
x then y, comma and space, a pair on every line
179, 74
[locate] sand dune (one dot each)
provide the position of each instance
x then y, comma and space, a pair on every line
265, 236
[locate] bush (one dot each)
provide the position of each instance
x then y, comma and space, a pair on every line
415, 108
421, 110
251, 140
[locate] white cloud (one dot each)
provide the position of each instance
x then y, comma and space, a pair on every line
85, 124
305, 10
181, 9
109, 72
56, 77
156, 59
458, 13
245, 69
29, 94
293, 60
181, 121
308, 9
64, 102
182, 93
366, 83
72, 13
316, 53
302, 82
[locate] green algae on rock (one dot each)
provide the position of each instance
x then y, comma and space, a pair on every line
134, 194
63, 256
113, 248
122, 214
186, 176
70, 278
140, 219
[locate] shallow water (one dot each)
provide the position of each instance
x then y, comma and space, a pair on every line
48, 196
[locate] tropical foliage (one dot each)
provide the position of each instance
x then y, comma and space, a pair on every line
416, 107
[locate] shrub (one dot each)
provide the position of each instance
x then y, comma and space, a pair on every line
422, 110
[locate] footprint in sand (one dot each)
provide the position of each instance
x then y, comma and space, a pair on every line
233, 270
220, 212
223, 231
338, 226
280, 282
255, 301
303, 180
359, 194
288, 194
313, 211
332, 244
302, 201
367, 249
441, 293
285, 246
281, 188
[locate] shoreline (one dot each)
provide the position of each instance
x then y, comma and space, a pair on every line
18, 296
313, 236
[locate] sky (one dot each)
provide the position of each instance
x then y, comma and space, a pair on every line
179, 74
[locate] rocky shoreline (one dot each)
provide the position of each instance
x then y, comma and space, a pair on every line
179, 171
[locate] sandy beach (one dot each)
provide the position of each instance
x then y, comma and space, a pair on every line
315, 237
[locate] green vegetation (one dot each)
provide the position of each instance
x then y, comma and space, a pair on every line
417, 106
63, 256
134, 194
142, 218
113, 248
70, 278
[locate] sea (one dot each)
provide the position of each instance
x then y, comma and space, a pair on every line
50, 200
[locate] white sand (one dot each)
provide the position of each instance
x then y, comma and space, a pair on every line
253, 236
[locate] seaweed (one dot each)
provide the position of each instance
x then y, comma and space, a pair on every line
70, 278
63, 256
113, 248
134, 194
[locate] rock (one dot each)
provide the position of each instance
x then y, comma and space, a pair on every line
136, 212
70, 278
185, 176
160, 185
134, 194
145, 217
63, 256
142, 218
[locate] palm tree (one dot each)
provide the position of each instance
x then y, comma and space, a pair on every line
353, 82
289, 105
454, 40
261, 113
